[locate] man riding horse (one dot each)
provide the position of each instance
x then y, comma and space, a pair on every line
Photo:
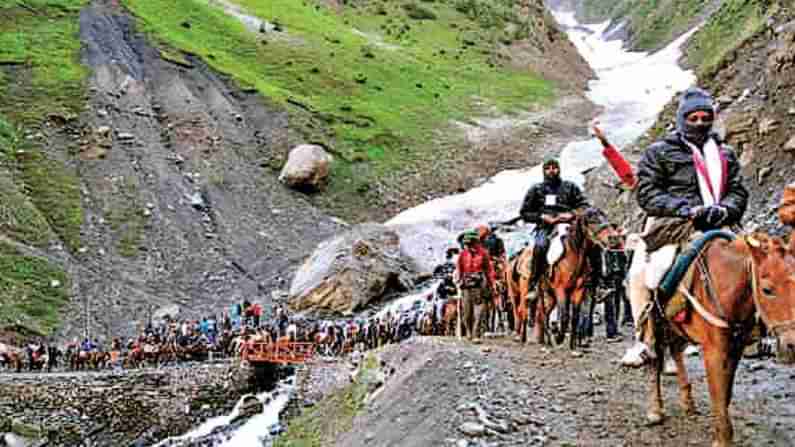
547, 205
689, 175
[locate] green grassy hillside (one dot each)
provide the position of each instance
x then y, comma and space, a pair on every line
735, 21
380, 78
40, 77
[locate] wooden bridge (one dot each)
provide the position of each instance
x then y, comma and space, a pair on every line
278, 353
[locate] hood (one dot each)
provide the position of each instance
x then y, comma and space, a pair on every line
692, 99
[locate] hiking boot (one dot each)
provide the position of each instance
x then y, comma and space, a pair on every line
614, 338
476, 341
637, 355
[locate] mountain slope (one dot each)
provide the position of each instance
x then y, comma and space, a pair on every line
140, 146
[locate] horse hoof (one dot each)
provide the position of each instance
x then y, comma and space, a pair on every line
654, 418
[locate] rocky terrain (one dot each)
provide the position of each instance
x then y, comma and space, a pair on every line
116, 408
439, 391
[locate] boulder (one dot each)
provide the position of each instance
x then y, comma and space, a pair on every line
248, 406
349, 271
307, 168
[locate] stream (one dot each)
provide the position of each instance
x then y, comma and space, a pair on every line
631, 87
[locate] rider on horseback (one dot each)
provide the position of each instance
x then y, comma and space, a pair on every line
546, 205
688, 176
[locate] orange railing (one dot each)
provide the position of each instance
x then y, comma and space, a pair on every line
279, 352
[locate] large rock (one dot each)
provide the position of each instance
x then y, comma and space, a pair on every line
351, 270
307, 167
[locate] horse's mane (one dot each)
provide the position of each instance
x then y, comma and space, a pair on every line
577, 234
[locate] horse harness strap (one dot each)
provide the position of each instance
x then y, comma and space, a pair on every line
772, 327
738, 329
717, 321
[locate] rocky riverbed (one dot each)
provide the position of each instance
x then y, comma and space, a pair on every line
119, 408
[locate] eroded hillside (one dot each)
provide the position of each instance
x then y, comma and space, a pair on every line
141, 140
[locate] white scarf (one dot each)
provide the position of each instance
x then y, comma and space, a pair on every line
711, 171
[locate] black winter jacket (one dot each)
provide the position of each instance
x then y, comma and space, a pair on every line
566, 196
667, 182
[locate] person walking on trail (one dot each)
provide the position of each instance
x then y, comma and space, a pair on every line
688, 181
444, 272
495, 247
476, 277
548, 204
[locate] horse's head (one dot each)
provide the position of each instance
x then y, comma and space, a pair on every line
597, 228
774, 285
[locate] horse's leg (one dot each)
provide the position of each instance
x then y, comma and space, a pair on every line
539, 315
685, 389
654, 410
721, 367
520, 310
563, 323
574, 341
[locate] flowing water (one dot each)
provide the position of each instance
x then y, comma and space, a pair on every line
632, 87
221, 431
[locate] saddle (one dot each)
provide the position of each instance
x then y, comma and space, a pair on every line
680, 275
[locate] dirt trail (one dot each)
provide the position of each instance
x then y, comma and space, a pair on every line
541, 396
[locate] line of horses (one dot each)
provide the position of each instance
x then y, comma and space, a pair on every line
740, 277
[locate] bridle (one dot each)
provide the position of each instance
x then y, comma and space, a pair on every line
772, 327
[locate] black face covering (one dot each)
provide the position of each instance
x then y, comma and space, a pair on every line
694, 99
697, 133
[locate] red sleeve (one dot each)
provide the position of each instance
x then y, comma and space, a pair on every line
620, 165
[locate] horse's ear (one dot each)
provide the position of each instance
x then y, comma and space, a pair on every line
758, 245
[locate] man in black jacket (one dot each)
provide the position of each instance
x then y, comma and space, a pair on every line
690, 175
548, 204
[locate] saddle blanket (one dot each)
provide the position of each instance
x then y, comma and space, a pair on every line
556, 247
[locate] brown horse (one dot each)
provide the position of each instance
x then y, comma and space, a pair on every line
517, 285
11, 357
94, 360
735, 280
564, 284
450, 317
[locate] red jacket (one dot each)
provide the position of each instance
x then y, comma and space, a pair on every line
620, 165
475, 260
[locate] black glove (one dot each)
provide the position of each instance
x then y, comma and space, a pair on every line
715, 215
688, 212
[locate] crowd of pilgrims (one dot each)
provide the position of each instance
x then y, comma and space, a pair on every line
437, 311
